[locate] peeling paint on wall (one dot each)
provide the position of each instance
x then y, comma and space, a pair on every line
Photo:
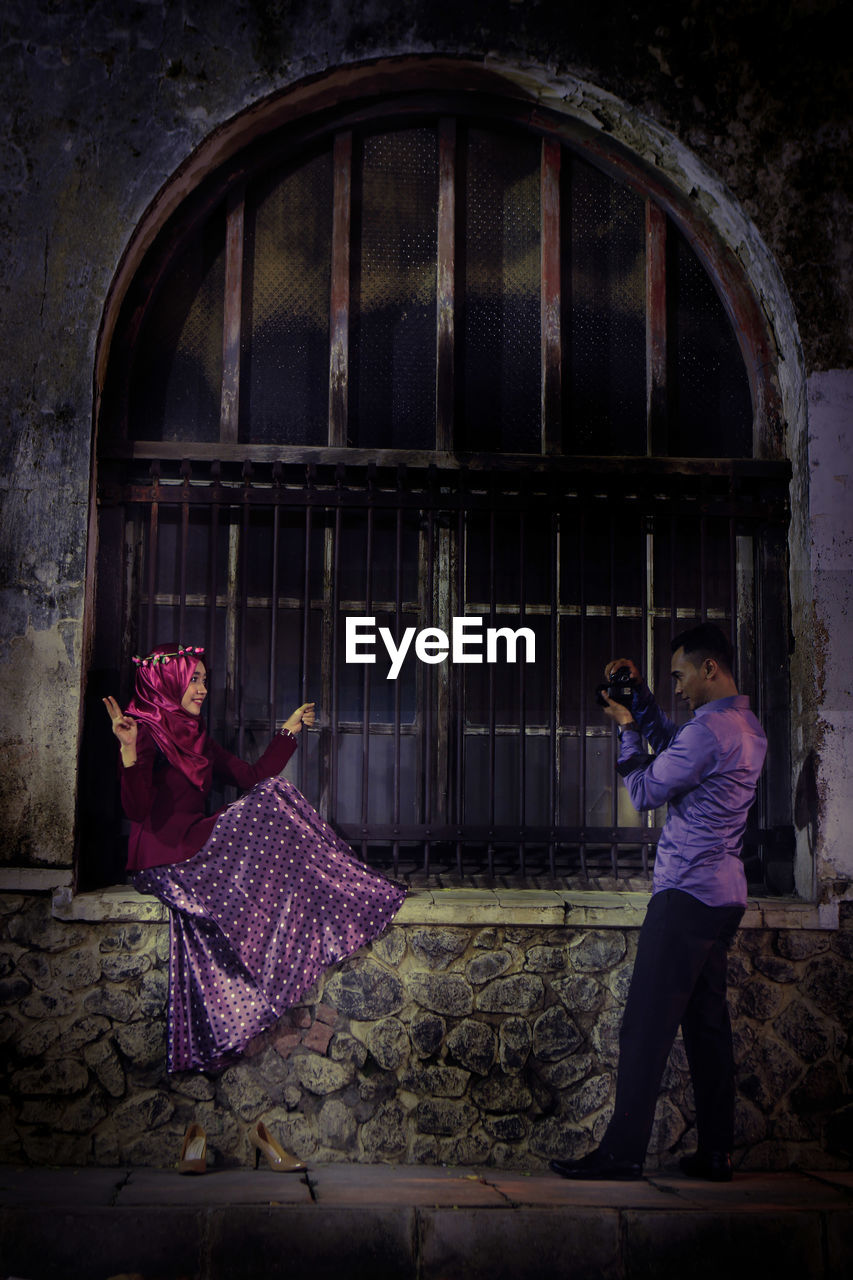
831, 526
39, 695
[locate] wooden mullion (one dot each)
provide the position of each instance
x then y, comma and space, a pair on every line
229, 416
550, 301
657, 424
340, 299
445, 286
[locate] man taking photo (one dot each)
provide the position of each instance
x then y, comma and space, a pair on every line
706, 771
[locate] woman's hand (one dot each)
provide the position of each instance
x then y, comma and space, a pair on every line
302, 715
125, 729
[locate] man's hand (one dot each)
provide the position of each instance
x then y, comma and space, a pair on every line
617, 711
615, 663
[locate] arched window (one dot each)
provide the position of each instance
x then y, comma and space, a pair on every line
427, 358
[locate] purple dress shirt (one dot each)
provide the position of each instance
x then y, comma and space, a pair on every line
706, 771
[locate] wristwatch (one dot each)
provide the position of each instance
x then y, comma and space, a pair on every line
620, 728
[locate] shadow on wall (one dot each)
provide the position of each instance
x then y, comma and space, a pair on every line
806, 799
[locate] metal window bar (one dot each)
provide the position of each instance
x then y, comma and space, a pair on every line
153, 540
457, 702
553, 753
185, 526
582, 754
492, 709
305, 605
239, 656
272, 691
398, 623
427, 756
614, 793
703, 569
213, 560
368, 670
522, 703
673, 597
648, 641
335, 685
250, 504
231, 715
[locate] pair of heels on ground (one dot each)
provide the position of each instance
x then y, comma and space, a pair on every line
193, 1158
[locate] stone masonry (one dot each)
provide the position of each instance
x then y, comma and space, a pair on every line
438, 1044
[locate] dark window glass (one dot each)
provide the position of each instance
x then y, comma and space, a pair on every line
711, 407
500, 351
176, 377
284, 369
605, 314
392, 387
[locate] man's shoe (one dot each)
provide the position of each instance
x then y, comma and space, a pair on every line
713, 1166
598, 1167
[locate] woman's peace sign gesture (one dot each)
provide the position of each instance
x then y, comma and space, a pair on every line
125, 727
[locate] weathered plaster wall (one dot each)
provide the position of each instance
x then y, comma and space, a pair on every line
459, 1045
831, 490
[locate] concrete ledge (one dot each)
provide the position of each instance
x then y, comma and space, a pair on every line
120, 902
424, 1222
789, 914
34, 879
548, 908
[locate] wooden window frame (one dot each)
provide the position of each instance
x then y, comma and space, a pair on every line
116, 452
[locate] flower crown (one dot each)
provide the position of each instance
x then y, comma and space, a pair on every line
160, 659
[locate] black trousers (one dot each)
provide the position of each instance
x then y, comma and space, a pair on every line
679, 978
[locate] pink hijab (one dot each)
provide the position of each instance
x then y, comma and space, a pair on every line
162, 679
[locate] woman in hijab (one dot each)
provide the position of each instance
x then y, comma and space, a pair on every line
262, 895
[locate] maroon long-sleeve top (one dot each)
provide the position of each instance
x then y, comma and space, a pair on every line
168, 822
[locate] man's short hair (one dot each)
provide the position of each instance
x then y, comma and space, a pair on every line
706, 641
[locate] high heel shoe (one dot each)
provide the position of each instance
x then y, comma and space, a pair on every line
279, 1160
194, 1151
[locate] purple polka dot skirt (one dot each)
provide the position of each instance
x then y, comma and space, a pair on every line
272, 899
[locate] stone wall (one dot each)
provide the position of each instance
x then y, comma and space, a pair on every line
438, 1044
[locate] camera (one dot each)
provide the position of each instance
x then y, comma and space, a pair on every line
619, 688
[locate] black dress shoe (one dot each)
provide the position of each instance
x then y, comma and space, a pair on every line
598, 1167
713, 1166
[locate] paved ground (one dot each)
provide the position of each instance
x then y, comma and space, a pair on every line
346, 1222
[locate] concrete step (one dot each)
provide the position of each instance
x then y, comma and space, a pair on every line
392, 1222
